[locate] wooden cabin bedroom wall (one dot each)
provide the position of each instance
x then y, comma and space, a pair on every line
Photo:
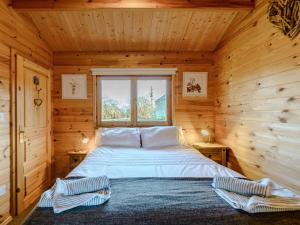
258, 99
17, 35
73, 117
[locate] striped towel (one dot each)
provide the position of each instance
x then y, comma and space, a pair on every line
241, 186
84, 185
56, 197
282, 199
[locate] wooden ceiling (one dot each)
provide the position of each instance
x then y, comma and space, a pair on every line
149, 25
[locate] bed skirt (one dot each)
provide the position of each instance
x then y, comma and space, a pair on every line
161, 201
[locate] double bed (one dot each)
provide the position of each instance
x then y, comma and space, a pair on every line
174, 161
157, 186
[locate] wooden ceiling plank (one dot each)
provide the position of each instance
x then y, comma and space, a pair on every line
132, 30
196, 29
147, 24
31, 5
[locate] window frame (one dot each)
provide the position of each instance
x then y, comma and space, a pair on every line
133, 94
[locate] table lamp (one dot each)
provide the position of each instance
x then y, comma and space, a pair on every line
84, 140
207, 133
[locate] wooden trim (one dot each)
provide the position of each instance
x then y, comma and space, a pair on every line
173, 94
224, 156
32, 5
130, 59
36, 67
7, 220
169, 101
98, 100
133, 71
95, 86
13, 133
49, 127
20, 132
134, 101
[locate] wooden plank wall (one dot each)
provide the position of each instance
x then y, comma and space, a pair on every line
4, 131
258, 99
17, 35
71, 117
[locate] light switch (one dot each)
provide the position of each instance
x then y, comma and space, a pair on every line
2, 189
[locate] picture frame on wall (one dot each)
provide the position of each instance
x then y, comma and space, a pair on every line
194, 84
74, 86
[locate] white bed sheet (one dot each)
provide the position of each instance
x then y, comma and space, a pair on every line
176, 161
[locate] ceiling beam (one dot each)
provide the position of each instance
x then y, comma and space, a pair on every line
34, 5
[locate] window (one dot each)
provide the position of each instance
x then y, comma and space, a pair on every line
134, 100
116, 100
151, 100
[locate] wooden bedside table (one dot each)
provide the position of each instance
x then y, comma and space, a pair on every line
75, 158
214, 151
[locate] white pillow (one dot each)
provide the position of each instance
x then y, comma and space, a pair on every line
159, 136
121, 137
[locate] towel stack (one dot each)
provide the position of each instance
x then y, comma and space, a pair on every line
256, 196
68, 194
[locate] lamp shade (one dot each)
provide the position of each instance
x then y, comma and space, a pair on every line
205, 132
85, 140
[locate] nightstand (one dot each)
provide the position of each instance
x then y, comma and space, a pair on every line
75, 158
214, 151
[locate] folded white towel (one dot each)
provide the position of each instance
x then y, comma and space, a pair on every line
282, 199
83, 185
241, 186
60, 202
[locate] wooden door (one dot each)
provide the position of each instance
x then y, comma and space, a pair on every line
33, 129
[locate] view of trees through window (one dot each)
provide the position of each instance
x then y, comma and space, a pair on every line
151, 100
116, 100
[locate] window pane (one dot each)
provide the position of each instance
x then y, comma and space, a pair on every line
152, 100
116, 100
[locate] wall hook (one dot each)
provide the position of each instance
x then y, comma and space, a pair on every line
37, 101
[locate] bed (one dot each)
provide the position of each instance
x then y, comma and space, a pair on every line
157, 186
174, 161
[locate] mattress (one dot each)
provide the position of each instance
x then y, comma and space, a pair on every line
175, 161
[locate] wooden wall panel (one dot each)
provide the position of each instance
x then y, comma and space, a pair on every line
71, 117
17, 35
257, 100
4, 132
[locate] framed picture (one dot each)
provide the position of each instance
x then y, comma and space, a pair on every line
194, 84
74, 86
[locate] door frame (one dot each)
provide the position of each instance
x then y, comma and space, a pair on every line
18, 63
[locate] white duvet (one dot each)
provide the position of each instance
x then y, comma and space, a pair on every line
177, 161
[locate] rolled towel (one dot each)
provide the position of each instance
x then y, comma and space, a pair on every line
256, 204
60, 202
241, 186
80, 186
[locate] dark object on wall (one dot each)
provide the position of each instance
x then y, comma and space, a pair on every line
284, 14
37, 101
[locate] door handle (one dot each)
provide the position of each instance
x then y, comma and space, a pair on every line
21, 136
